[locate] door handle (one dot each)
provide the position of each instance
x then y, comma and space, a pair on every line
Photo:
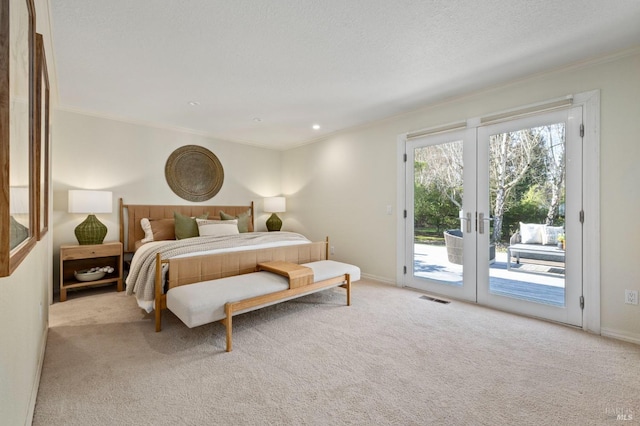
468, 220
481, 220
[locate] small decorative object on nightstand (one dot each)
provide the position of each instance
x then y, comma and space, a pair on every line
88, 265
91, 231
274, 205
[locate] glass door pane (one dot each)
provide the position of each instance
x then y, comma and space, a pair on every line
523, 185
438, 195
435, 231
527, 195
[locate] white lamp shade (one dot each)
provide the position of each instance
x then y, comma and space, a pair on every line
275, 205
18, 200
90, 202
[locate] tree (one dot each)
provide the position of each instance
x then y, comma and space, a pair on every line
555, 151
510, 157
441, 166
433, 209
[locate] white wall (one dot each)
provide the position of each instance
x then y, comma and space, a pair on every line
129, 159
24, 311
341, 186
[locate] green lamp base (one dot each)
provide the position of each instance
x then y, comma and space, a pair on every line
274, 223
91, 231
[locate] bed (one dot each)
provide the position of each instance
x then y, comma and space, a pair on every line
190, 260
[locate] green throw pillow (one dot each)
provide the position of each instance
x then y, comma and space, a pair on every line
187, 227
244, 220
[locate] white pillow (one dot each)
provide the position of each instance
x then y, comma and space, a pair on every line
146, 227
531, 233
217, 228
550, 235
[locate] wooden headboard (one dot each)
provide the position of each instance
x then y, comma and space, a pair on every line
131, 231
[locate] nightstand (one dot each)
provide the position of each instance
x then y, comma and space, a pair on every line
77, 257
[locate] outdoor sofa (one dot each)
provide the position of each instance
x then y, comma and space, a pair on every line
536, 242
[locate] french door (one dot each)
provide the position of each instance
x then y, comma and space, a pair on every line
493, 215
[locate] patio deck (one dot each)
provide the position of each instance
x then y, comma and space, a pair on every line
541, 283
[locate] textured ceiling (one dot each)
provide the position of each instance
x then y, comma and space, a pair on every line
264, 71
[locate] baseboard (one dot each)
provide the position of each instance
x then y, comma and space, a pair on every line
379, 279
621, 335
36, 381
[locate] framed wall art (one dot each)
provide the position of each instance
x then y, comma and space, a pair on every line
17, 133
42, 139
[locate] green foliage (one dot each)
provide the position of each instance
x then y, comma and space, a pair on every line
535, 195
531, 208
433, 209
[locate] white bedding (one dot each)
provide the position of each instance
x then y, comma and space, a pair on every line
140, 280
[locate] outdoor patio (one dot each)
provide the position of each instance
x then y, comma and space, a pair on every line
542, 283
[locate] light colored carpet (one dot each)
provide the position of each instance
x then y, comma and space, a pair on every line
391, 358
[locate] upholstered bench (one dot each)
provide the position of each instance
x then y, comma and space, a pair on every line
218, 300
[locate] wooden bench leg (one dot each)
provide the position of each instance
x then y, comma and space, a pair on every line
227, 323
157, 289
158, 318
347, 286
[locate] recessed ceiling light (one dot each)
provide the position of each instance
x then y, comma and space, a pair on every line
257, 119
316, 127
194, 103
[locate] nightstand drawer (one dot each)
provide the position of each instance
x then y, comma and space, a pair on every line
90, 251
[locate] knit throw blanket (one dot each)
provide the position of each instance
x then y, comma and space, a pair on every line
141, 278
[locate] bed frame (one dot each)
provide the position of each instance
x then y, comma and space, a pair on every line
195, 269
135, 212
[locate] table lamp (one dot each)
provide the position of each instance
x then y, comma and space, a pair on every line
274, 205
91, 231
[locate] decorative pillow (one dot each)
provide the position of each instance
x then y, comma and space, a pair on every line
550, 235
244, 220
157, 230
185, 226
146, 227
162, 229
531, 233
217, 228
